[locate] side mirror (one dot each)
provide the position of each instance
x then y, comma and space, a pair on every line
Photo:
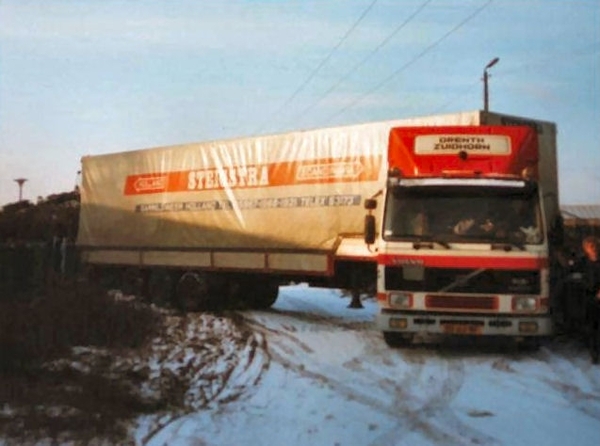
369, 229
370, 204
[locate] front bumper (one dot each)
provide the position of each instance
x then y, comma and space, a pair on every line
464, 324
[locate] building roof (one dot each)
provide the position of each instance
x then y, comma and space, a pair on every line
580, 212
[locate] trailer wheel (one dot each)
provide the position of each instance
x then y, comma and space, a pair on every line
192, 292
131, 281
253, 292
264, 294
397, 340
104, 278
160, 287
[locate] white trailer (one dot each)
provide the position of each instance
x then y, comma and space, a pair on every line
203, 221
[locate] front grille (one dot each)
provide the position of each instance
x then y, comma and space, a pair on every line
464, 280
461, 302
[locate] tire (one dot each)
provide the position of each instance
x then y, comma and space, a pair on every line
103, 278
192, 292
257, 293
265, 294
253, 292
395, 339
131, 282
160, 287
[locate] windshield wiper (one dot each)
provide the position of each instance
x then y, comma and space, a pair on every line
508, 246
428, 242
508, 243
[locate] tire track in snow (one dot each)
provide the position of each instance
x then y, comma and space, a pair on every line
333, 321
426, 406
210, 360
426, 410
562, 362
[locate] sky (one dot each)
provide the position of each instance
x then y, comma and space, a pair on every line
98, 76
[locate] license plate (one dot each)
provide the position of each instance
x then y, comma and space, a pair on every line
462, 329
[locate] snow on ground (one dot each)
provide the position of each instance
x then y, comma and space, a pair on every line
311, 371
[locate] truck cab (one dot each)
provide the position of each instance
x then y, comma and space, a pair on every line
463, 241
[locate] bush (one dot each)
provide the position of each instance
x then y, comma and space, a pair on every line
37, 331
91, 404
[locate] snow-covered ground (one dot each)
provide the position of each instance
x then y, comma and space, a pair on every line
311, 371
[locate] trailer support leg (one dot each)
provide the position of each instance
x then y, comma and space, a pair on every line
355, 302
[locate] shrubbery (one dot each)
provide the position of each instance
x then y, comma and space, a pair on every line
45, 328
44, 313
38, 331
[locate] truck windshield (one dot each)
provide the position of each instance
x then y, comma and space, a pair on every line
463, 214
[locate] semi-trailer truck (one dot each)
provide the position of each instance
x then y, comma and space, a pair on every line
230, 220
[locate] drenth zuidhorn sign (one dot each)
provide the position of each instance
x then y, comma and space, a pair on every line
450, 144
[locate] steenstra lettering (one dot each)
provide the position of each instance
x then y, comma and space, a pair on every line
251, 176
324, 170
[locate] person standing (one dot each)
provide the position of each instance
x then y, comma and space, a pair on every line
591, 249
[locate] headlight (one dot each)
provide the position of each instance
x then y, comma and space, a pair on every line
400, 300
524, 303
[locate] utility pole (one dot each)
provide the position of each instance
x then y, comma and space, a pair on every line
486, 98
20, 182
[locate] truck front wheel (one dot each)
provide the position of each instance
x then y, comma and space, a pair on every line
397, 340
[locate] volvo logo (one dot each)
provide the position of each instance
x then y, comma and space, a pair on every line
408, 262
